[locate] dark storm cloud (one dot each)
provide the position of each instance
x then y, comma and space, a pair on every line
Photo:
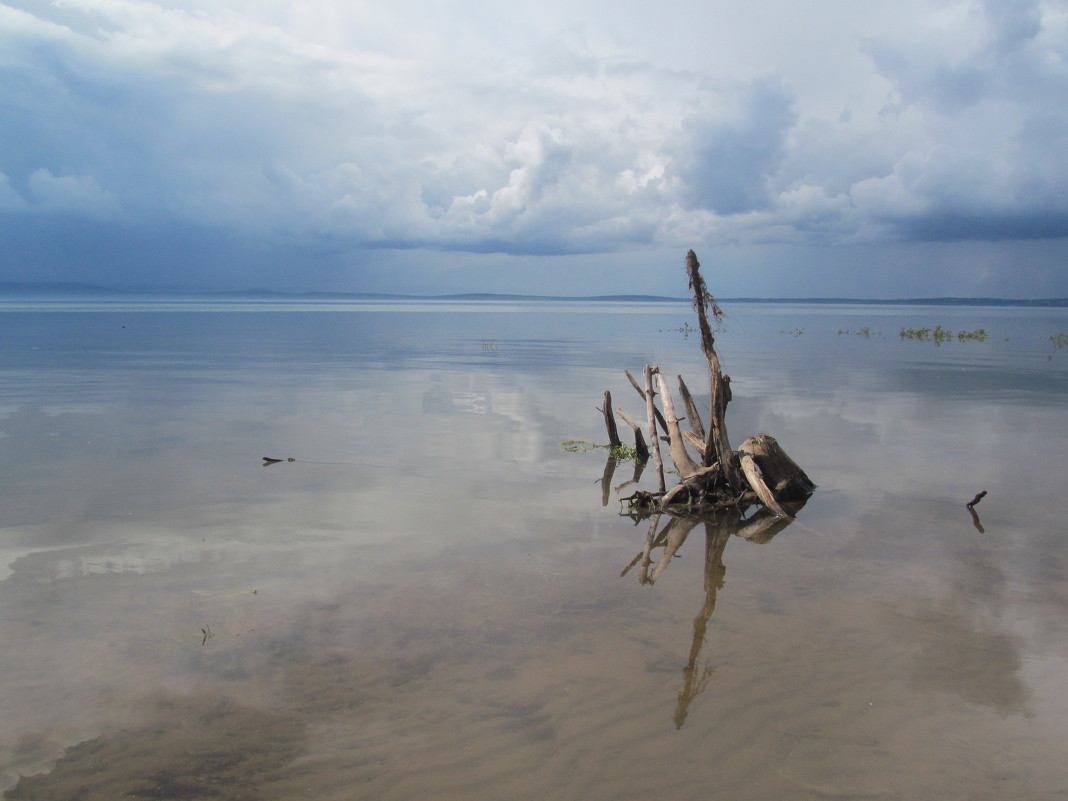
327, 131
725, 161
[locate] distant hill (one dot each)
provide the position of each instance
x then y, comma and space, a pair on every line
43, 289
13, 289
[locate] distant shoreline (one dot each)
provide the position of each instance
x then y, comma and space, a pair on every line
43, 292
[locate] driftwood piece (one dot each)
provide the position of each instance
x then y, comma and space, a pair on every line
976, 499
610, 421
640, 446
697, 443
723, 479
650, 409
693, 417
656, 412
694, 489
718, 446
685, 465
783, 475
755, 477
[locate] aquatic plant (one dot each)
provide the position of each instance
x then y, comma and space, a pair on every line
621, 452
940, 335
685, 329
921, 334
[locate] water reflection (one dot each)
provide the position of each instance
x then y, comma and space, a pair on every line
609, 474
719, 526
427, 603
954, 637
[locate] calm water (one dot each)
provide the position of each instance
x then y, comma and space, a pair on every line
428, 602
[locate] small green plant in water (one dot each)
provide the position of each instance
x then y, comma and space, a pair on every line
940, 335
921, 334
685, 329
1059, 341
577, 446
623, 453
620, 452
795, 332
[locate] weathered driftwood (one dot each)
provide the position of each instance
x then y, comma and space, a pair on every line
640, 447
651, 415
786, 479
717, 443
684, 465
695, 436
610, 421
755, 477
693, 417
759, 471
656, 412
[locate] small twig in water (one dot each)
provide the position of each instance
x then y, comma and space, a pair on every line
976, 499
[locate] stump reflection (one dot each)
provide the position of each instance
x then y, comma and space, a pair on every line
719, 526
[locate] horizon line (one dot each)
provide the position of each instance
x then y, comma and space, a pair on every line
29, 290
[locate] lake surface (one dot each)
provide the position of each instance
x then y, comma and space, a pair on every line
436, 600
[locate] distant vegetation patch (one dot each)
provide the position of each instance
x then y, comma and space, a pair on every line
940, 335
1059, 341
794, 332
685, 329
863, 333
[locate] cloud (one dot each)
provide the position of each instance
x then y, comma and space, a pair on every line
80, 195
984, 158
345, 127
725, 158
10, 200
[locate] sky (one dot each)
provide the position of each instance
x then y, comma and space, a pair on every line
834, 148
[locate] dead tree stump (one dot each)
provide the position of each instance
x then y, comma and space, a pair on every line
760, 471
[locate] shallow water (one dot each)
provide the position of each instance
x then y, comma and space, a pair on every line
428, 601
